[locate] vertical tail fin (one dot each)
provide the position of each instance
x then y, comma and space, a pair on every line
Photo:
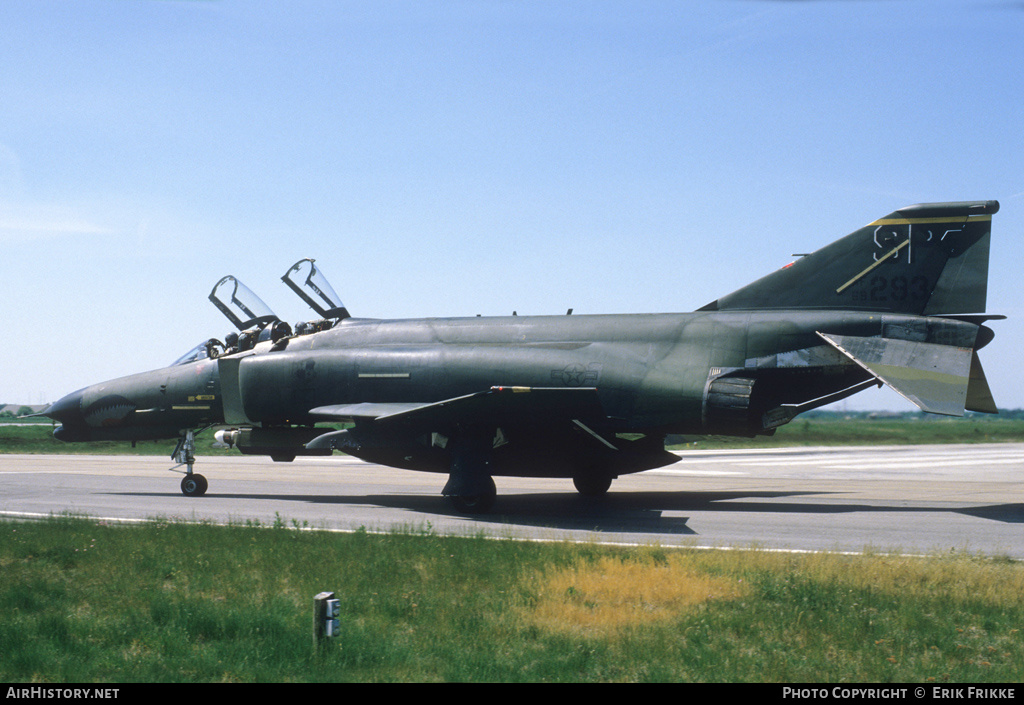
926, 259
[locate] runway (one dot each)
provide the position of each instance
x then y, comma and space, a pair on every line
909, 499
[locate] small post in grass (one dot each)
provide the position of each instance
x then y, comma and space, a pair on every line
326, 610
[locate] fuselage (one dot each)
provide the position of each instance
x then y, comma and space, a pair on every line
652, 372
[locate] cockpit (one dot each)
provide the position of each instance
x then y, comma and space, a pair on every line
207, 350
257, 323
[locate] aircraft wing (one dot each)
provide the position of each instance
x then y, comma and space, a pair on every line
496, 405
365, 410
937, 378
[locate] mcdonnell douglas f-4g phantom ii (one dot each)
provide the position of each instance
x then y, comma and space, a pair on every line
898, 302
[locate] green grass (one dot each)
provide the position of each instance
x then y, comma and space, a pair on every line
86, 602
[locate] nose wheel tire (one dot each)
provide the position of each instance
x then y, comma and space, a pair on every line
193, 485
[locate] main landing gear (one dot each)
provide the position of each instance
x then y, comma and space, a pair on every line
193, 484
593, 484
470, 487
479, 503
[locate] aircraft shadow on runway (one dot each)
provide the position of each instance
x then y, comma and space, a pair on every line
635, 512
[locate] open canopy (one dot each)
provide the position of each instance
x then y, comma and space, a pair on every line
242, 307
312, 287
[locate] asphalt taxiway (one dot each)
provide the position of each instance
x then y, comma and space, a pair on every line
909, 499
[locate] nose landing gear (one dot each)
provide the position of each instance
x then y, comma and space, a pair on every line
193, 484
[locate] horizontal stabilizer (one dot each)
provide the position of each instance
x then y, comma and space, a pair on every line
934, 377
979, 396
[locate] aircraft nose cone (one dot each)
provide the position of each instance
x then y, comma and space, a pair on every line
65, 409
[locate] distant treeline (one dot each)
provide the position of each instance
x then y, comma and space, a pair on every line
15, 410
875, 427
825, 415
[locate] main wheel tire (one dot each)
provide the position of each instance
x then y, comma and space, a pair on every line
593, 484
193, 485
474, 504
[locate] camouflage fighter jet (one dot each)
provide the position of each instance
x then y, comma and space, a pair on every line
899, 302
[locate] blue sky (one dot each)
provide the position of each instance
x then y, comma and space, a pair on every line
463, 157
